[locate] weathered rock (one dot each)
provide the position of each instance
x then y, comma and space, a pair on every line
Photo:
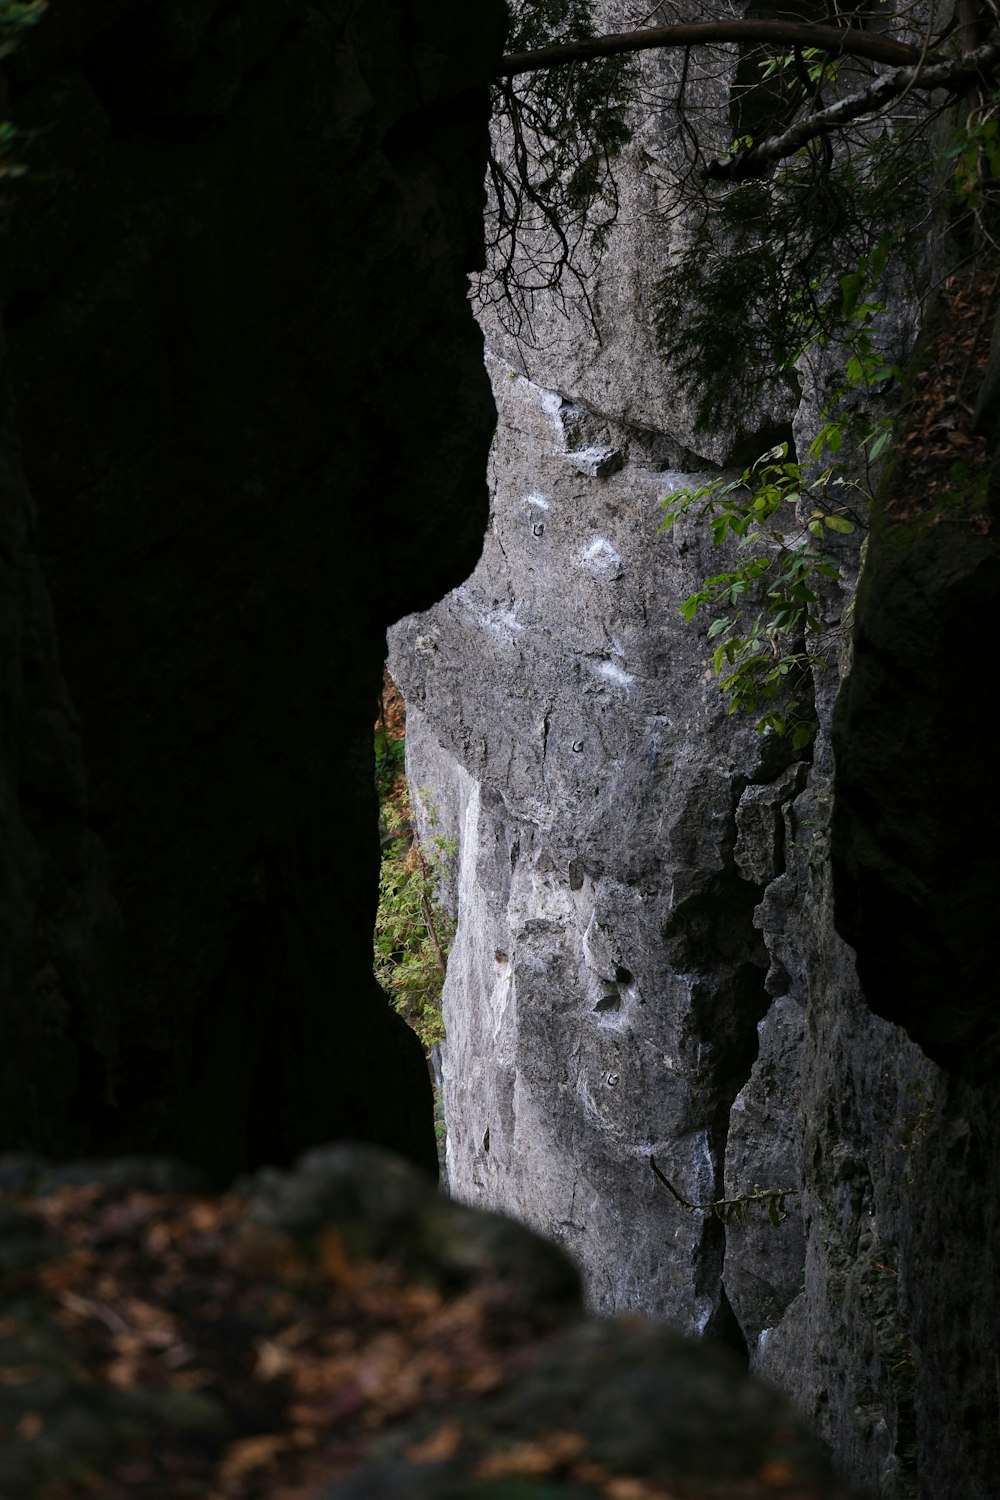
251, 409
605, 931
646, 960
915, 872
764, 1268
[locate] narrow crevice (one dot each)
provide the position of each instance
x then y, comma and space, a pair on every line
713, 934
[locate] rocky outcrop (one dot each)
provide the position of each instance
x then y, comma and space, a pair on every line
241, 362
363, 1335
647, 966
606, 932
914, 834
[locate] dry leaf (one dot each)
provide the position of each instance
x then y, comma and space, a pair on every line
439, 1448
535, 1459
272, 1360
334, 1261
67, 1272
624, 1488
86, 1307
124, 1373
251, 1453
777, 1474
30, 1426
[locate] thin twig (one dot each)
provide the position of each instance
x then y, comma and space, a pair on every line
759, 1195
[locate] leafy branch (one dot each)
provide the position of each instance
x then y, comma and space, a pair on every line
757, 159
769, 600
768, 626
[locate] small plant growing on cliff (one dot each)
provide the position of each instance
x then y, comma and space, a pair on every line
413, 932
768, 629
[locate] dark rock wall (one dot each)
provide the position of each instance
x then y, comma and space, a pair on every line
918, 796
915, 876
251, 411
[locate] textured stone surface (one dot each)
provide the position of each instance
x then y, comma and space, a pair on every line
237, 324
646, 959
652, 914
605, 929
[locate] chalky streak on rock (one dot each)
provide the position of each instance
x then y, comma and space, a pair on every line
600, 556
612, 672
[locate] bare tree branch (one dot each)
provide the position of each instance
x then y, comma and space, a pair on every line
757, 160
835, 40
769, 1196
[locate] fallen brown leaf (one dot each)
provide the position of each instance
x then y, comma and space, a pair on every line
543, 1456
439, 1448
251, 1453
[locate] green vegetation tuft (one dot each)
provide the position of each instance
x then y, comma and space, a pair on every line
413, 932
768, 629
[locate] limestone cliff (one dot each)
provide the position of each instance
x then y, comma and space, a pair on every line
646, 963
234, 289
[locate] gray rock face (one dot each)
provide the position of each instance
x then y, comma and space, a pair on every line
646, 963
606, 929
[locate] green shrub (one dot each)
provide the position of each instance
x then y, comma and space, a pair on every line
413, 932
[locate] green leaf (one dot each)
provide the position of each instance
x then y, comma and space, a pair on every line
850, 290
838, 523
879, 444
